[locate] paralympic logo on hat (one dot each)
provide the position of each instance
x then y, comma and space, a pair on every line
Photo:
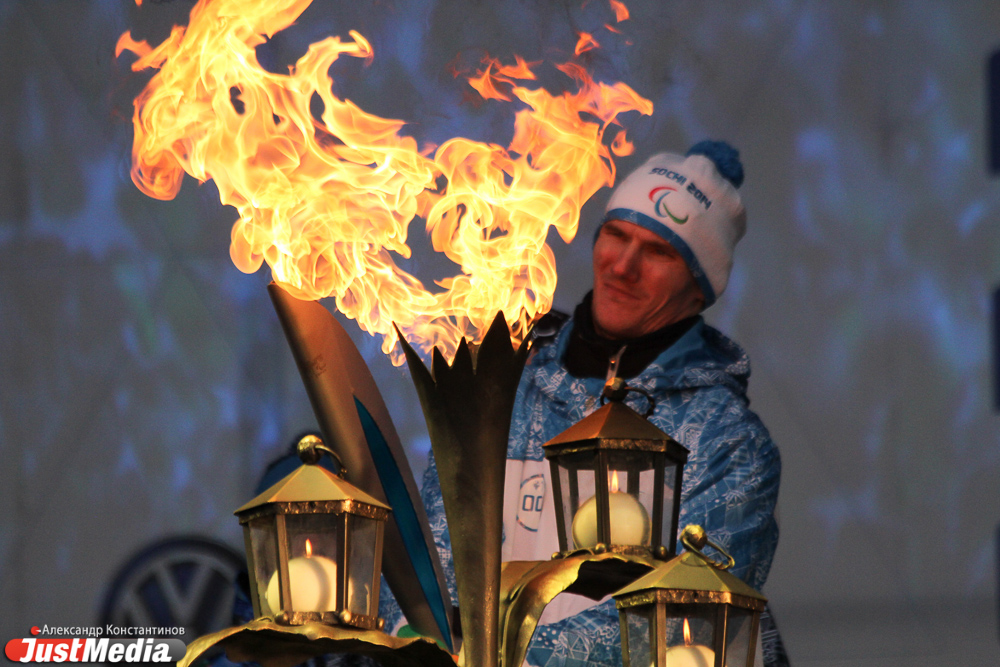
658, 196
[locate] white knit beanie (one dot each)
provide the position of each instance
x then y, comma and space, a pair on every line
690, 204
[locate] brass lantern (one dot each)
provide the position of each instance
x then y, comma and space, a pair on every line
616, 480
314, 547
690, 611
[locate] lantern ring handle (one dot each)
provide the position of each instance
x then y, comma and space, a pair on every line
695, 539
311, 448
616, 390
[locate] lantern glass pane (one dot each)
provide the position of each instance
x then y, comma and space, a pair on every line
640, 624
579, 487
699, 636
568, 505
631, 477
361, 533
264, 542
669, 498
312, 561
576, 486
738, 637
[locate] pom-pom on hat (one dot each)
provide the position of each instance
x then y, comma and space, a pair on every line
690, 201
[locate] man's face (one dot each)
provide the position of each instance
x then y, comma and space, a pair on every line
641, 283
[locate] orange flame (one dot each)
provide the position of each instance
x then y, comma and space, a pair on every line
687, 633
621, 11
125, 42
309, 548
585, 43
485, 86
614, 482
621, 145
327, 202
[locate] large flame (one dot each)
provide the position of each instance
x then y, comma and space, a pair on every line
327, 202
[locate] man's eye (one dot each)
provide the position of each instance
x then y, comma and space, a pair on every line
658, 251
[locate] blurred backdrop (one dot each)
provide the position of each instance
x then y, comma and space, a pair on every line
146, 383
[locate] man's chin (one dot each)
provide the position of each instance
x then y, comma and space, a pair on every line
616, 324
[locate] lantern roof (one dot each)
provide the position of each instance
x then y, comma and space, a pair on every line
311, 483
692, 572
615, 421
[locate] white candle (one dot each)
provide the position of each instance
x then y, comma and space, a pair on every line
629, 520
313, 580
689, 655
695, 655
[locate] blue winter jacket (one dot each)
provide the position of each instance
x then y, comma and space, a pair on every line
730, 481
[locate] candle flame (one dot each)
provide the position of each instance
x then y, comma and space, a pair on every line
687, 633
614, 482
327, 201
309, 549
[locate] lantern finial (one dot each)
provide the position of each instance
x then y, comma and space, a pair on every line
694, 538
615, 390
311, 448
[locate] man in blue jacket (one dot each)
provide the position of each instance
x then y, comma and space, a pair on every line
662, 255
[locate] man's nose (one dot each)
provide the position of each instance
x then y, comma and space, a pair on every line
626, 265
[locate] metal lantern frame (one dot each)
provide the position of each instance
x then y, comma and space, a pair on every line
598, 445
690, 586
310, 500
